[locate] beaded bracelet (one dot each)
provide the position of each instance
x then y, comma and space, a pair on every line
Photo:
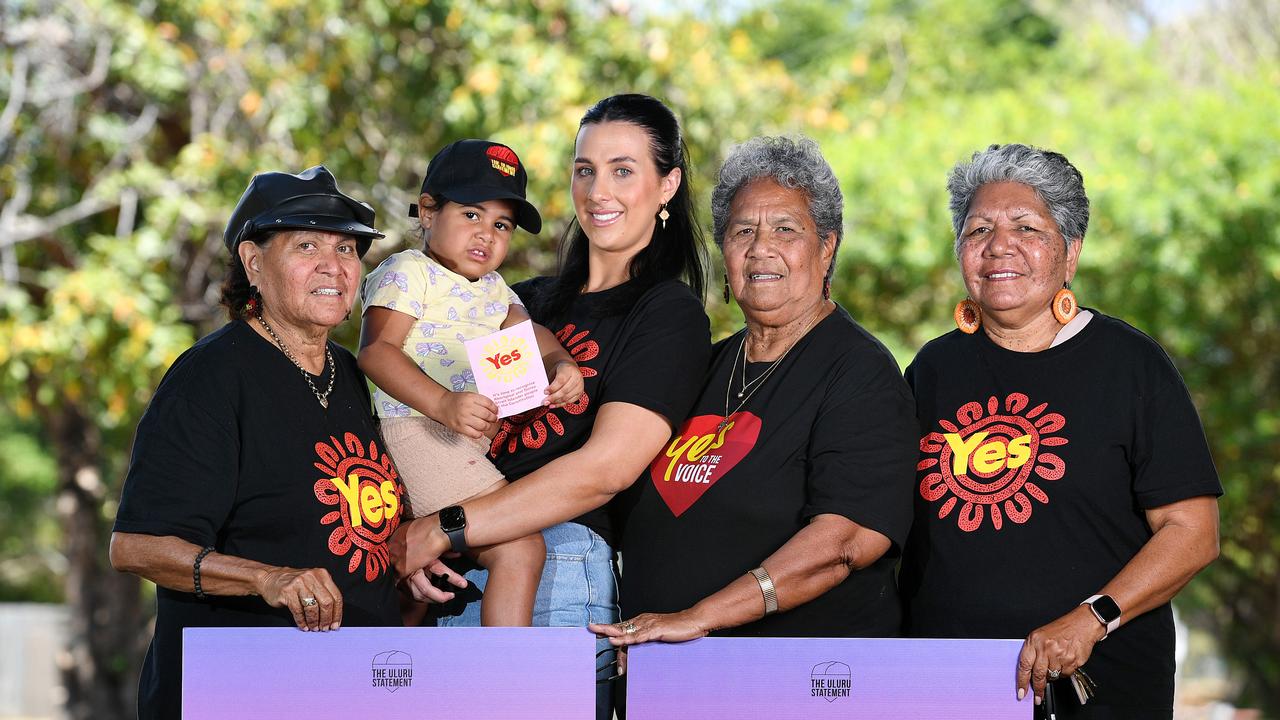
195, 572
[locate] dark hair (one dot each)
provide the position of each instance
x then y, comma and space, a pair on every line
235, 283
676, 251
416, 231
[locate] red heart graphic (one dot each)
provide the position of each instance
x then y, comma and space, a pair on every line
699, 455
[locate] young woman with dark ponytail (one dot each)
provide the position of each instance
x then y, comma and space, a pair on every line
627, 304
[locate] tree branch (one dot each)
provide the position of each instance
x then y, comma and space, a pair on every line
26, 227
17, 94
83, 84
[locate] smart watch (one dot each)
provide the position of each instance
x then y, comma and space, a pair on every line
453, 521
1106, 611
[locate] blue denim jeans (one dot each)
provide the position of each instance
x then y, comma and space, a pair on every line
579, 585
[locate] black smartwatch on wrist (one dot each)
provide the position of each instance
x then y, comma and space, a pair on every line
1106, 610
453, 521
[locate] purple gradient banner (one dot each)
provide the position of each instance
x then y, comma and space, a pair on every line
388, 673
813, 678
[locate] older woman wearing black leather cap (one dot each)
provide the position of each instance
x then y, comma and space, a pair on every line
258, 493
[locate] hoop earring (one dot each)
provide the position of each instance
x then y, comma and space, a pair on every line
1065, 307
663, 215
968, 316
726, 287
253, 306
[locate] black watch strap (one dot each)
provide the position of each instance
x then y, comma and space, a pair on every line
457, 539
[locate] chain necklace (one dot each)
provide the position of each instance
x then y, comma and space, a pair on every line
328, 356
753, 384
758, 382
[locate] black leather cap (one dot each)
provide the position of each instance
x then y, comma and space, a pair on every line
471, 171
309, 200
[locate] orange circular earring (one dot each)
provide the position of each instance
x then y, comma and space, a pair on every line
968, 316
1064, 306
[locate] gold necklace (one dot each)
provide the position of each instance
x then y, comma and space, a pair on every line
758, 382
328, 356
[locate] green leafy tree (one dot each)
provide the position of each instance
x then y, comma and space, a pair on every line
1184, 241
128, 131
127, 135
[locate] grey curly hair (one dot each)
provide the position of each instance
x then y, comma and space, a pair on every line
794, 163
1058, 183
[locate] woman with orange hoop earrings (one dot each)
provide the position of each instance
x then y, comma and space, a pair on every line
1065, 489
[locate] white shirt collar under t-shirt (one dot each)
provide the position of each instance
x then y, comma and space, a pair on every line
1072, 328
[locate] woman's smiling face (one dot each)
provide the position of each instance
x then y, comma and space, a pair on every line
307, 278
617, 188
1012, 256
774, 258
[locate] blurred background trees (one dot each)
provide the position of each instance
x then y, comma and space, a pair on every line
129, 129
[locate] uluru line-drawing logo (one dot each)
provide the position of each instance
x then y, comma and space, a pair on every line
830, 680
392, 669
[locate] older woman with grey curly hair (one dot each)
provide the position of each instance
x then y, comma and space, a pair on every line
778, 507
1065, 489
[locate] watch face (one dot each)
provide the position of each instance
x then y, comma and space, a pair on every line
452, 518
1106, 609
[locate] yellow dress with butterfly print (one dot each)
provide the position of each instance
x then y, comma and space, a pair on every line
447, 309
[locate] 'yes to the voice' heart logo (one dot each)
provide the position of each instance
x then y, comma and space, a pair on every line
700, 454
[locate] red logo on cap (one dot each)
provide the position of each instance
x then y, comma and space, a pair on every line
503, 159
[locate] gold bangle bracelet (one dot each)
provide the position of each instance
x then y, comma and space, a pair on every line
766, 588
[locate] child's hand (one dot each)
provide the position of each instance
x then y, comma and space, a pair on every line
467, 413
566, 386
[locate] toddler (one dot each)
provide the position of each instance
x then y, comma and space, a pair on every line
419, 307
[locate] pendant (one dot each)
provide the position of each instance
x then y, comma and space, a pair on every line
723, 422
739, 394
324, 403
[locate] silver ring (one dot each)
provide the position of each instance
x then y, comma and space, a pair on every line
628, 627
308, 602
1055, 674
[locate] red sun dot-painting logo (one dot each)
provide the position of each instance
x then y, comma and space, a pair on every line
994, 462
365, 489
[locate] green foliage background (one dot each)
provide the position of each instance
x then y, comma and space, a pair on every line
131, 129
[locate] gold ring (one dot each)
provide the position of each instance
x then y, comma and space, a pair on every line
628, 627
308, 602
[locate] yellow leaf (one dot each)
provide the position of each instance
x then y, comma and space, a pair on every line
859, 64
123, 309
250, 103
116, 404
484, 80
817, 117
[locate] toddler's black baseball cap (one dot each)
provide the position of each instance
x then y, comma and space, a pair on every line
472, 171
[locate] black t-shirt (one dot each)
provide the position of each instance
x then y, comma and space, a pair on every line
653, 356
1035, 472
830, 431
236, 452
